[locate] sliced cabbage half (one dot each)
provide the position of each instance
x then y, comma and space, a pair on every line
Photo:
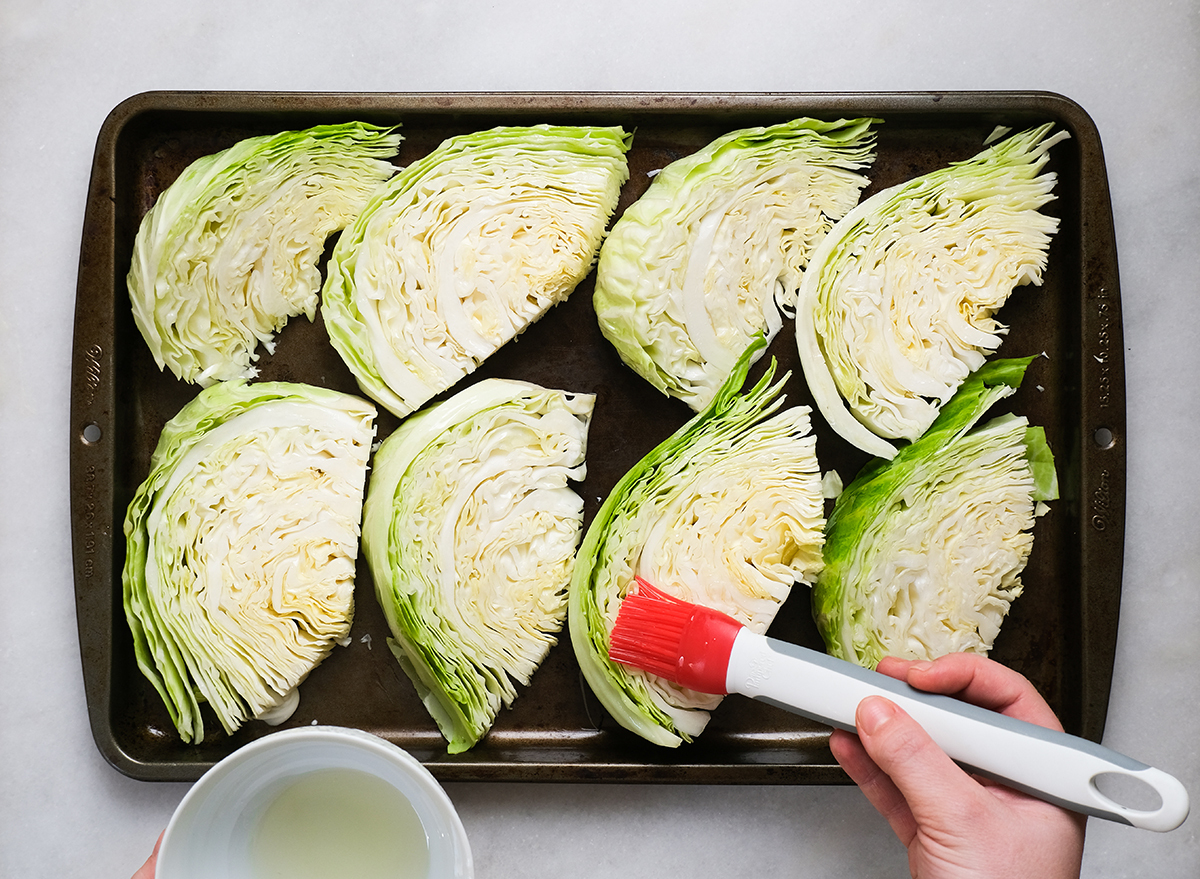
712, 254
924, 553
241, 546
897, 306
470, 530
229, 251
727, 513
464, 249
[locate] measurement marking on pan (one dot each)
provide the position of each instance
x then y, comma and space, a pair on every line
1103, 343
89, 520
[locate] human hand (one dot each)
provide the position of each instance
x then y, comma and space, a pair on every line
957, 825
146, 871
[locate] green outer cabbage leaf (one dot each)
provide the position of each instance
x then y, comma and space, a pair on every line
727, 513
897, 306
708, 257
923, 553
241, 544
464, 249
470, 531
229, 251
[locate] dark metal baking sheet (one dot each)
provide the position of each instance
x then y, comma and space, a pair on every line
1061, 633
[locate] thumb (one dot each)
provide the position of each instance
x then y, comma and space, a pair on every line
932, 784
148, 869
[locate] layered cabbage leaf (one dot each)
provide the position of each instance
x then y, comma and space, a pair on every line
727, 512
230, 250
924, 553
464, 249
898, 304
241, 545
469, 531
712, 254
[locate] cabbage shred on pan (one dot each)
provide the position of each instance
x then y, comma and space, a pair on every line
727, 513
897, 306
924, 553
712, 254
241, 547
465, 248
229, 251
470, 531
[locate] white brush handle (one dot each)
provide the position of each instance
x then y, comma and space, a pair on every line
1053, 766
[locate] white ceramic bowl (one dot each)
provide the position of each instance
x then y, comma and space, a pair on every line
213, 833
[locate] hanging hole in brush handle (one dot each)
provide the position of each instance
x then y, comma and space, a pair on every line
1128, 790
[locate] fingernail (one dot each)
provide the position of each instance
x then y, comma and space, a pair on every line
921, 665
873, 713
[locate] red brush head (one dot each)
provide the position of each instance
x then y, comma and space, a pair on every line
674, 639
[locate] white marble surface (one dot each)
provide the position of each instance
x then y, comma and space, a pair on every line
63, 66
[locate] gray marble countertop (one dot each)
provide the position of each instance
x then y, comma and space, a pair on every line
1135, 68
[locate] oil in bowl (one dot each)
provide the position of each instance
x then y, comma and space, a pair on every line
340, 822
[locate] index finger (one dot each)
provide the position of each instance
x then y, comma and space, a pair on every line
976, 679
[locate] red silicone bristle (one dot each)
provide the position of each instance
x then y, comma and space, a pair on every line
649, 629
686, 643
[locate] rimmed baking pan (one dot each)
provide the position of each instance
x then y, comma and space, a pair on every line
1061, 633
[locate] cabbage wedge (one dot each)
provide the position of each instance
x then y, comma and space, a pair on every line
229, 251
712, 254
898, 304
727, 513
241, 547
464, 249
469, 531
924, 553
